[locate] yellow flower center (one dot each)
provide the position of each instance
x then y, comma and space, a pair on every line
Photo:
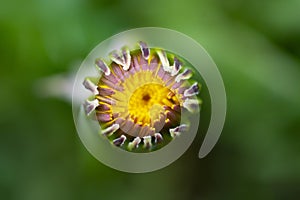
143, 98
146, 103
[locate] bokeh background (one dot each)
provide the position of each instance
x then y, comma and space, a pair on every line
256, 45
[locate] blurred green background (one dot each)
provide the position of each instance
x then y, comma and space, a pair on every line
256, 45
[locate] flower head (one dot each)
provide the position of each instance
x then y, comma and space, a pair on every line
139, 98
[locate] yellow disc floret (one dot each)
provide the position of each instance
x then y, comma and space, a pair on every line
143, 98
146, 102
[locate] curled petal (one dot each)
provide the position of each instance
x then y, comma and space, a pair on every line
145, 50
158, 138
147, 141
90, 106
119, 141
88, 84
127, 58
123, 59
164, 61
192, 105
186, 74
111, 129
193, 90
135, 143
114, 56
176, 67
178, 130
103, 66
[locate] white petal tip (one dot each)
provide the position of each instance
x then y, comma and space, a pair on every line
174, 132
119, 141
145, 50
111, 129
90, 106
89, 85
176, 67
135, 143
192, 105
193, 90
103, 67
147, 141
164, 59
186, 74
121, 58
158, 137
